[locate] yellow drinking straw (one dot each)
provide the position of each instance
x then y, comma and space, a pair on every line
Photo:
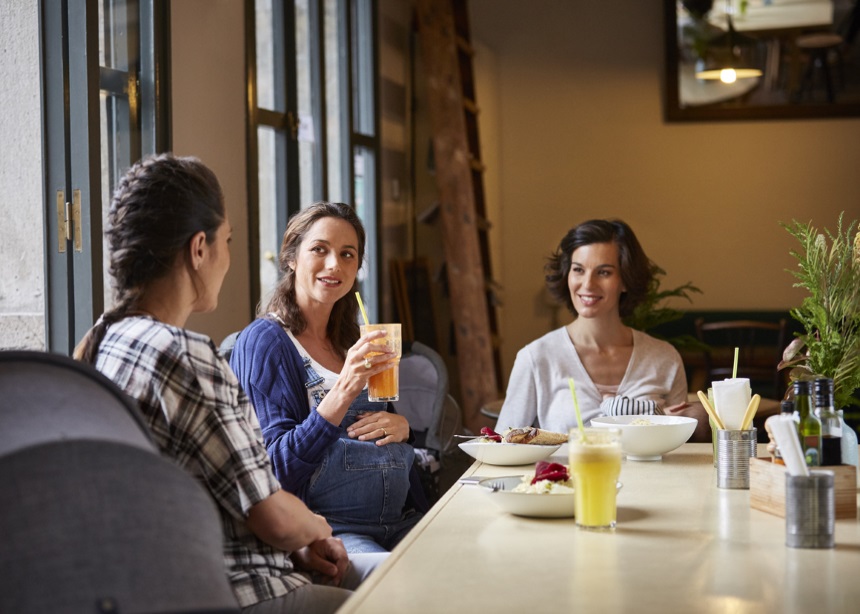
735, 366
576, 405
361, 306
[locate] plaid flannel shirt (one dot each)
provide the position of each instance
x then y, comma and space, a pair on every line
200, 417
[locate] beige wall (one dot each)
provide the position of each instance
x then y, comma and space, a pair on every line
573, 109
208, 91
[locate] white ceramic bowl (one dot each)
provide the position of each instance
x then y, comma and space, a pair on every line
534, 505
507, 453
647, 442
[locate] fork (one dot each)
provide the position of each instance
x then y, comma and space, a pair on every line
496, 485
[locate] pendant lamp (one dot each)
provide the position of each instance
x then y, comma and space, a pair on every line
730, 56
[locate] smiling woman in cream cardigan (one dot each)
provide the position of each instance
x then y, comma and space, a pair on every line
601, 273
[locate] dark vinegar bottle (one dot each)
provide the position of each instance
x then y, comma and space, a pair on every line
831, 423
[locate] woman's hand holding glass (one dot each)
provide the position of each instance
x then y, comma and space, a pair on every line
359, 367
383, 426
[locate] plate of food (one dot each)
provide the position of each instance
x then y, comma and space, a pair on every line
546, 493
516, 447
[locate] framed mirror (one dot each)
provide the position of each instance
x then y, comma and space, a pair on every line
762, 59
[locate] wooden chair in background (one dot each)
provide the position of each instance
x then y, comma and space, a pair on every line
760, 346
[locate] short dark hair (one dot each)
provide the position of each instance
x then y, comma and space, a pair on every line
342, 328
636, 268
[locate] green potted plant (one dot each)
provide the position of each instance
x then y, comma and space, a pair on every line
652, 313
829, 270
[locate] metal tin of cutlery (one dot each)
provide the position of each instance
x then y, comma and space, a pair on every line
810, 510
734, 449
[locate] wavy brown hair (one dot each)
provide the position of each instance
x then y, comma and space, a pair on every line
160, 203
342, 329
636, 268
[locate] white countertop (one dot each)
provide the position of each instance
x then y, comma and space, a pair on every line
682, 545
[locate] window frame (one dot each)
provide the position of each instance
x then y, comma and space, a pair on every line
71, 149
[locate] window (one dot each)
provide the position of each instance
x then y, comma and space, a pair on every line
312, 126
365, 142
272, 136
105, 105
132, 118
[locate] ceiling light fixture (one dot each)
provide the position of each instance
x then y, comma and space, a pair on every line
729, 53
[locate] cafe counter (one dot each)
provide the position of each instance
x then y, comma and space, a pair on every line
681, 545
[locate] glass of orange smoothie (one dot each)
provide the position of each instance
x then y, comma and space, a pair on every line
595, 464
385, 386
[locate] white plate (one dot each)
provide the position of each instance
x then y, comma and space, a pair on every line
507, 453
533, 505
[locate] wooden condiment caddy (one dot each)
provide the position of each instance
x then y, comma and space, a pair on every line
767, 487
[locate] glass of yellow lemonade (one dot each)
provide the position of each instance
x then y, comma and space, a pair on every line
595, 464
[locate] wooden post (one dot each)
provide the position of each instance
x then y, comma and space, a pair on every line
458, 216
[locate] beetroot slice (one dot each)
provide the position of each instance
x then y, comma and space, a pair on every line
490, 434
554, 472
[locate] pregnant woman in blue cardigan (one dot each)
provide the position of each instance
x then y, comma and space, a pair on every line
302, 363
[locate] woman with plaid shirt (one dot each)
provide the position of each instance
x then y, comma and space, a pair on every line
168, 238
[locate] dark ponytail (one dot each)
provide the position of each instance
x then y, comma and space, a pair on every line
161, 202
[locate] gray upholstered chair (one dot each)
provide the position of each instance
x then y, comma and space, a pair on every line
424, 398
100, 526
93, 518
226, 347
50, 397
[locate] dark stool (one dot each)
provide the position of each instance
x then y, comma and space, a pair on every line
818, 47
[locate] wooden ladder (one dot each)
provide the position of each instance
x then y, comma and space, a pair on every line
447, 54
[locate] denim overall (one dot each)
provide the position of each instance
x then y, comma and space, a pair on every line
359, 487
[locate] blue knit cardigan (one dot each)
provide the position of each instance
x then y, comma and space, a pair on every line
272, 373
